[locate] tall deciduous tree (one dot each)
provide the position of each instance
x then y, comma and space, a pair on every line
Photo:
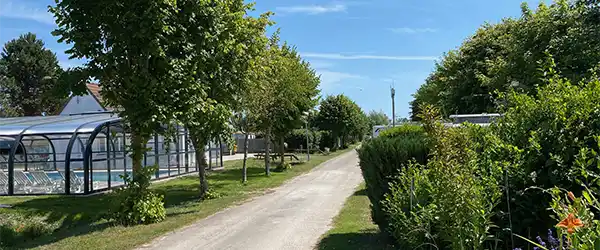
378, 118
241, 122
506, 56
297, 95
31, 80
213, 60
342, 117
288, 88
124, 42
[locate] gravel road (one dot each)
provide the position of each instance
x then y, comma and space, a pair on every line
293, 216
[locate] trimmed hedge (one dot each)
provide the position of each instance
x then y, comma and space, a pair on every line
382, 159
404, 130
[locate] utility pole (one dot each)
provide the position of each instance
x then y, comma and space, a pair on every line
393, 106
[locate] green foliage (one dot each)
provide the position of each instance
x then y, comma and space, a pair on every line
404, 130
506, 56
31, 81
546, 140
443, 197
16, 228
297, 138
409, 208
342, 117
283, 167
327, 141
135, 203
463, 195
382, 159
286, 88
378, 118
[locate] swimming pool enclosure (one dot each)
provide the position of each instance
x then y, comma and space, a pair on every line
82, 154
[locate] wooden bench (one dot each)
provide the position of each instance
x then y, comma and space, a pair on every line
276, 156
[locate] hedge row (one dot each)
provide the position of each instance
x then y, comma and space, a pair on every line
382, 158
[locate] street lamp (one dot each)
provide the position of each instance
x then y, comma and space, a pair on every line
306, 114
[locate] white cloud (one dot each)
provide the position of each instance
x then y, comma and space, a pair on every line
313, 9
19, 10
337, 56
332, 78
318, 64
406, 30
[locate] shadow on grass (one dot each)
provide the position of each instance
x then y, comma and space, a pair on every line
362, 192
365, 240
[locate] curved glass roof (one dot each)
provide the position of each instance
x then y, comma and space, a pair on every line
84, 123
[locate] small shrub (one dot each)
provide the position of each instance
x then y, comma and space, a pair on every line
411, 217
17, 228
35, 227
382, 159
136, 203
8, 236
283, 167
211, 195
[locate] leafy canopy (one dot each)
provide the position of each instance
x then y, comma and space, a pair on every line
506, 56
31, 80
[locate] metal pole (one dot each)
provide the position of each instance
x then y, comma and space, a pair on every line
108, 154
393, 108
307, 143
156, 157
177, 151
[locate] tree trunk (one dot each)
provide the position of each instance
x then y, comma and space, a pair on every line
282, 149
244, 170
201, 163
267, 151
137, 154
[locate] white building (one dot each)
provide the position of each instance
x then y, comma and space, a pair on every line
91, 102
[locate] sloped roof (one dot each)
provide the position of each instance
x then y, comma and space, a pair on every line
95, 91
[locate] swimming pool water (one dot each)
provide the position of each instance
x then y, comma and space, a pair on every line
115, 175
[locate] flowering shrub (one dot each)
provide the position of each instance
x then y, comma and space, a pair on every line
16, 228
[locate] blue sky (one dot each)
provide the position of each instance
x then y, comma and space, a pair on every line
358, 47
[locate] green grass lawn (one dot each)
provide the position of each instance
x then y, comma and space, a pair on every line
83, 228
353, 227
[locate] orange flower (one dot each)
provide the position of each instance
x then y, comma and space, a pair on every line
570, 223
571, 196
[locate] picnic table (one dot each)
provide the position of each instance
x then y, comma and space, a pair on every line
276, 156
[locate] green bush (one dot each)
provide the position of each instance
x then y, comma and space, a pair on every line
136, 203
283, 167
446, 200
404, 130
538, 142
17, 228
410, 218
463, 194
382, 159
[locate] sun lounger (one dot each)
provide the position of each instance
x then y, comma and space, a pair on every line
22, 182
3, 182
76, 182
41, 179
